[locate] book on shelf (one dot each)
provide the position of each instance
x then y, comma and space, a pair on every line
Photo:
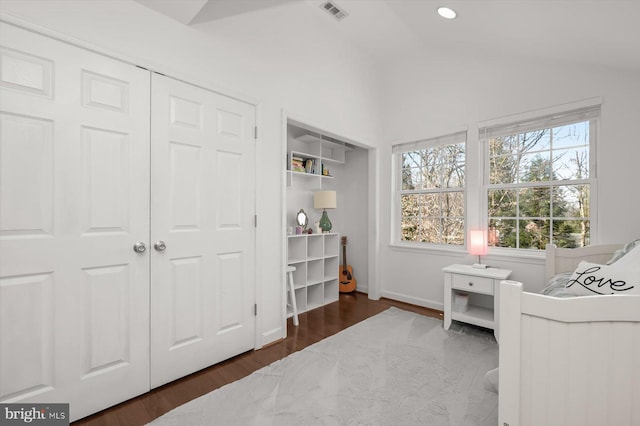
303, 165
297, 164
310, 165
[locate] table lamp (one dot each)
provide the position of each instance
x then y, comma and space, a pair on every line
478, 245
324, 200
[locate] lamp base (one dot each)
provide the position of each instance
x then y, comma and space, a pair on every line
325, 223
480, 265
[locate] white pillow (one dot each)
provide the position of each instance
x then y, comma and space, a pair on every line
619, 254
591, 278
630, 258
490, 380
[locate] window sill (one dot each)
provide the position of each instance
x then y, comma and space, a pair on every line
517, 255
429, 248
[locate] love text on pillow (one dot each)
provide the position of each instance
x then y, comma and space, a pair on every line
591, 278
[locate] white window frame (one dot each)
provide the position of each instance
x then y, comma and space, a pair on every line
588, 110
397, 191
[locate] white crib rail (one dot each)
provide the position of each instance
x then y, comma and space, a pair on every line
568, 361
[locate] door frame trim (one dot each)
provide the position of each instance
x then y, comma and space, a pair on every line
373, 254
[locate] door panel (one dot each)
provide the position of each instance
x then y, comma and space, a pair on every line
203, 204
74, 197
26, 209
27, 365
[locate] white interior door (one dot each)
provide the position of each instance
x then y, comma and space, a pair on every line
74, 199
202, 209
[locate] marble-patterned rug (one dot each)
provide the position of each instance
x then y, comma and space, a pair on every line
395, 368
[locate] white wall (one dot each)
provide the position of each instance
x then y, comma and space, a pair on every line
440, 93
353, 200
295, 67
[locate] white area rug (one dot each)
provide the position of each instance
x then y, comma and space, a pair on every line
396, 368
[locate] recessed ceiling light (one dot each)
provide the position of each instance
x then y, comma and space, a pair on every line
447, 13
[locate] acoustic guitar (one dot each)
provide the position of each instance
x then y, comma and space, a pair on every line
347, 280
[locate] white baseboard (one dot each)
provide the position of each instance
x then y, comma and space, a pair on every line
413, 300
272, 336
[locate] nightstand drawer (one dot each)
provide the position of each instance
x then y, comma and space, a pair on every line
472, 284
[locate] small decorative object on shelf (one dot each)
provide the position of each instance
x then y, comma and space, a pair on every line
302, 220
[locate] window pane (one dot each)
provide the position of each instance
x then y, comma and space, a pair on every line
409, 228
571, 201
431, 175
504, 145
452, 204
431, 230
502, 169
430, 205
535, 202
411, 170
534, 167
411, 178
571, 163
453, 175
410, 205
412, 159
453, 231
534, 141
502, 232
534, 233
571, 135
502, 202
571, 233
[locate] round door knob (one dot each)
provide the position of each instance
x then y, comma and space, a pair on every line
139, 247
160, 246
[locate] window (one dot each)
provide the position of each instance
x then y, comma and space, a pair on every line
539, 177
429, 196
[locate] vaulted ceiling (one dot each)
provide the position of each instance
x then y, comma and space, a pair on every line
595, 32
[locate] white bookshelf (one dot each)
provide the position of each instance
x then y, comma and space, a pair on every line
315, 279
318, 152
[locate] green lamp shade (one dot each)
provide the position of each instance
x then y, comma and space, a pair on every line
325, 223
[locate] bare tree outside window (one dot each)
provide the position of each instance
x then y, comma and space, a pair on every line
432, 195
538, 188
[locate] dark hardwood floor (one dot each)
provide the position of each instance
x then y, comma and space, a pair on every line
314, 326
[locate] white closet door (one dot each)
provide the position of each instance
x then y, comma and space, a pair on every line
203, 206
74, 199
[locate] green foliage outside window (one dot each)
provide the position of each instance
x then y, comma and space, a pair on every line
538, 190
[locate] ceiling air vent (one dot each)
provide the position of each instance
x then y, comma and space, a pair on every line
334, 10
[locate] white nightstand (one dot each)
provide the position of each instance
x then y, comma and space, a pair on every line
467, 279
